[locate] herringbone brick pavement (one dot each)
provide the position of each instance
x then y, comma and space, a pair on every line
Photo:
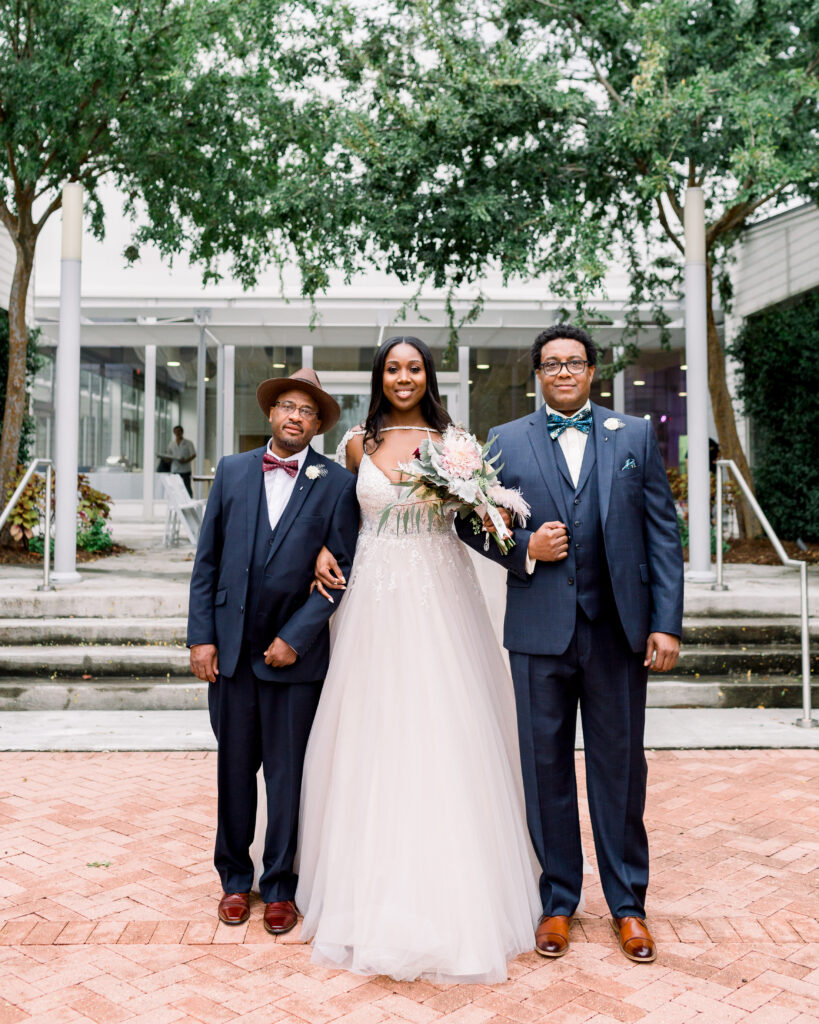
108, 897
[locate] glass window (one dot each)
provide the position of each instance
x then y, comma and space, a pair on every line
501, 387
252, 366
655, 389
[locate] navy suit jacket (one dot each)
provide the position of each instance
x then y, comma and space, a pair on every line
639, 521
320, 511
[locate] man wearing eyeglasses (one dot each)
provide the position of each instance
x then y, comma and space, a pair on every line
594, 600
260, 637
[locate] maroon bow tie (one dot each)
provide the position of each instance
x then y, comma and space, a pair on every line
271, 462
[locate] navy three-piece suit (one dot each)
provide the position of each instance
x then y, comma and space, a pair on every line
250, 584
576, 632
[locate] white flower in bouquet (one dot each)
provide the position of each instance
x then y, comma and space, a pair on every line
461, 455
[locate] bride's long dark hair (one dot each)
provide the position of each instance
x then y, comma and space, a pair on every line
432, 408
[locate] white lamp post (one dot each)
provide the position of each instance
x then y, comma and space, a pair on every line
696, 356
67, 391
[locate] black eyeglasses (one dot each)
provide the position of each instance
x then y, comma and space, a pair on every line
304, 411
553, 366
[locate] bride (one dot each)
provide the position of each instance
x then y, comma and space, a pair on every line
414, 858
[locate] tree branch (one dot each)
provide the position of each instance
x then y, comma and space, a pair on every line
679, 213
737, 214
55, 204
666, 226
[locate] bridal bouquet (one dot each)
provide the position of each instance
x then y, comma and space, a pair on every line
456, 474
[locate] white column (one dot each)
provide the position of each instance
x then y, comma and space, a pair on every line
220, 401
201, 367
618, 385
307, 357
697, 401
67, 390
115, 412
463, 384
149, 433
229, 399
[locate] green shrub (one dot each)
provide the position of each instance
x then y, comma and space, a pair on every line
95, 537
778, 350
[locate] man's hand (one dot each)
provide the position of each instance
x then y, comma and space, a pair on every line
549, 543
205, 662
662, 651
279, 654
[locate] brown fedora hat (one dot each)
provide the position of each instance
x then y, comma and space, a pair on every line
305, 380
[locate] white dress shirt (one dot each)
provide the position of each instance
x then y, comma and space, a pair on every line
573, 445
279, 485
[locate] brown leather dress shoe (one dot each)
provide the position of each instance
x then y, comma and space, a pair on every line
552, 936
280, 917
635, 939
234, 908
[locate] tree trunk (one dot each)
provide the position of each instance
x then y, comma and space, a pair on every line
16, 386
724, 418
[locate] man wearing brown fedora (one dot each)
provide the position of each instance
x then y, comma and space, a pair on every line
258, 635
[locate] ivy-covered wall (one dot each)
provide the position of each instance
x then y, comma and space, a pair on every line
778, 350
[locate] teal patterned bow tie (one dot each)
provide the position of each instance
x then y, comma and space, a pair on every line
581, 421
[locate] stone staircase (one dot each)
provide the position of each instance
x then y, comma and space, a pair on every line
125, 651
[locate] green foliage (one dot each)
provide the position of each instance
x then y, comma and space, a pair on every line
33, 364
27, 513
778, 350
27, 518
195, 109
536, 137
92, 505
95, 536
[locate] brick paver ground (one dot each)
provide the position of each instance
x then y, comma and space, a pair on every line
108, 897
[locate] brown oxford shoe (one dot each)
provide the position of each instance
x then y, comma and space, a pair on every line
280, 917
635, 939
552, 936
234, 908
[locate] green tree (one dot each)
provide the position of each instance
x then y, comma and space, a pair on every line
33, 363
783, 342
192, 108
463, 153
721, 94
547, 136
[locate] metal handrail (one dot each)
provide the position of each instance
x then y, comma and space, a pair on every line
807, 722
29, 473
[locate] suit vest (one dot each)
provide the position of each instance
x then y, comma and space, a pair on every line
586, 562
261, 549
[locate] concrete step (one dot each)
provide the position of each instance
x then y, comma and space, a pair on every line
746, 631
106, 693
19, 630
67, 631
139, 658
143, 598
183, 693
134, 661
753, 660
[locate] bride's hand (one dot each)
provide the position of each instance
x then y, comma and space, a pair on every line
328, 575
505, 515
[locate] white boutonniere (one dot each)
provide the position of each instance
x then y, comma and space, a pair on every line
315, 472
612, 423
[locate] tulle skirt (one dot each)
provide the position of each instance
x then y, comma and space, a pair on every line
414, 857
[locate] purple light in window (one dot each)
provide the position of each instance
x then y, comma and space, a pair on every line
663, 418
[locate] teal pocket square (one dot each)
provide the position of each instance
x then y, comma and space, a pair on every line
629, 464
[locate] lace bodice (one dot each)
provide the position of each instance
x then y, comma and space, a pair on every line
375, 491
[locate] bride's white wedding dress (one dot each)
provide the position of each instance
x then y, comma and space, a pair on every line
414, 857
